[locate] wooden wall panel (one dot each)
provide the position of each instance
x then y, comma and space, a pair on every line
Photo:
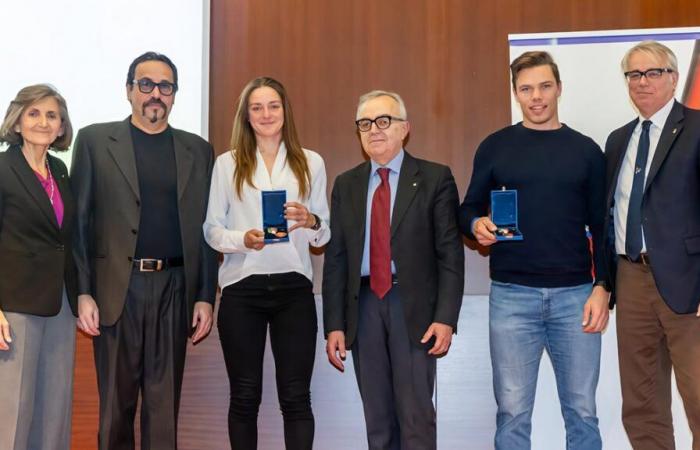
447, 58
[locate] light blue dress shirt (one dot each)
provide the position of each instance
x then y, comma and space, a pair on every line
375, 180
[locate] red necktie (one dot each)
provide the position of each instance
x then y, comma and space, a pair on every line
379, 238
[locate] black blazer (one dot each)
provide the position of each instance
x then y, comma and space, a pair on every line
426, 248
35, 254
670, 206
106, 189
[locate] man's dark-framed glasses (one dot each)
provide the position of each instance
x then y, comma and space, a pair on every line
635, 76
382, 122
146, 86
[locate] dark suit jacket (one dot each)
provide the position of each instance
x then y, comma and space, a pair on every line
35, 254
670, 206
106, 190
425, 246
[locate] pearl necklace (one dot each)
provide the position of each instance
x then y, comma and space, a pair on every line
51, 183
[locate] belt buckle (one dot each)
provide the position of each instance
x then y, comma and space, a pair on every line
154, 265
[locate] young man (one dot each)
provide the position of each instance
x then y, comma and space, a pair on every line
542, 294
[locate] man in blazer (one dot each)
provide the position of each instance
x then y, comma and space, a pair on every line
393, 276
145, 273
653, 195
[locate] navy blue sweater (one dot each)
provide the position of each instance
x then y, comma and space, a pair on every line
560, 178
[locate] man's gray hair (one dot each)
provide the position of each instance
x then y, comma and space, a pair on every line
656, 49
364, 98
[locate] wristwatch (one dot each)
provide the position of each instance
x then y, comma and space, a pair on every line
604, 284
317, 224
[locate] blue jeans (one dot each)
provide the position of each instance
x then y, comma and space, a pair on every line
523, 321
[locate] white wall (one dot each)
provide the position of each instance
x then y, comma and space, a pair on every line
594, 96
84, 48
595, 101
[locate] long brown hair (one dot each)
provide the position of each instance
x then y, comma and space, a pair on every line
243, 143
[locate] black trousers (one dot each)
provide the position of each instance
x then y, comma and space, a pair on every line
144, 351
286, 303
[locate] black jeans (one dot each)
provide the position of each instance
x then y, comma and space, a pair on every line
286, 303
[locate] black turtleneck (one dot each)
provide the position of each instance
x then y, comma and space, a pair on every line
159, 228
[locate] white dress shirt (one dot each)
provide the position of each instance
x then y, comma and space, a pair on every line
626, 176
230, 217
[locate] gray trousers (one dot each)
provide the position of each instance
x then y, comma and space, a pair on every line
396, 377
36, 381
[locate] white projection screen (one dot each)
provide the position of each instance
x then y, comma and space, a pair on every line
594, 101
84, 49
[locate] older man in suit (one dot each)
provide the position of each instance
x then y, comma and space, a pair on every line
145, 272
393, 276
653, 195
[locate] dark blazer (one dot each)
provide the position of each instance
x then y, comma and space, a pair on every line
35, 254
106, 189
670, 206
426, 248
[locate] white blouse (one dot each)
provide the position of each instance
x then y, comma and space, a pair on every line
230, 217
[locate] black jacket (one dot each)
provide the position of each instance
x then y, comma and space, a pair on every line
670, 207
106, 188
426, 248
35, 253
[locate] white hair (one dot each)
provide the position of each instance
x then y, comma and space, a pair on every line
364, 98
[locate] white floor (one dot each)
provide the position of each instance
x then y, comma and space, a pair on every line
465, 405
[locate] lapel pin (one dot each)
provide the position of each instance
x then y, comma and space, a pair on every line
674, 131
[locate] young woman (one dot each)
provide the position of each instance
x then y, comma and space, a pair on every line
267, 284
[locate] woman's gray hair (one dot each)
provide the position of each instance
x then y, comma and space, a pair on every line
26, 97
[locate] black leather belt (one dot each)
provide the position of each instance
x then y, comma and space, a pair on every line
156, 265
364, 281
643, 259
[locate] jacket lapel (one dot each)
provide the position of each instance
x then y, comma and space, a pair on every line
359, 195
32, 184
61, 178
672, 128
122, 150
183, 163
409, 183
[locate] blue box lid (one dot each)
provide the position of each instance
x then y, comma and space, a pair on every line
504, 207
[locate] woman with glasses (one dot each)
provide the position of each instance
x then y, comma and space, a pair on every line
38, 278
266, 274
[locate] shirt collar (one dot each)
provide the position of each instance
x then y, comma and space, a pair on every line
281, 152
394, 165
658, 119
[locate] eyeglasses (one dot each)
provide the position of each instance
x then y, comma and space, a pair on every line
146, 86
635, 76
382, 122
